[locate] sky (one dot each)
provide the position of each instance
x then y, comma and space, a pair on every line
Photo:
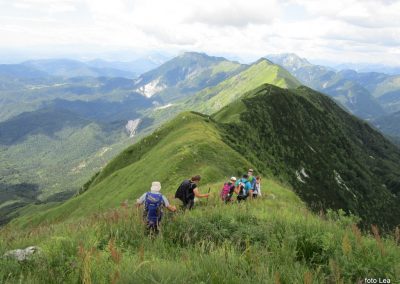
332, 31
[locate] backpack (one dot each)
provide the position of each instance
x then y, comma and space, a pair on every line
153, 212
183, 190
225, 191
242, 188
253, 182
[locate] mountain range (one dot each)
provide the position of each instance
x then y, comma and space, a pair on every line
367, 95
45, 119
365, 68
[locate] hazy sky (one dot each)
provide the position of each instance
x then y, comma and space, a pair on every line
334, 30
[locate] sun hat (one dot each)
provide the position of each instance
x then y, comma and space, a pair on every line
233, 178
155, 186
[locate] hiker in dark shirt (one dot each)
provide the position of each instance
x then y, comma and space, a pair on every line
188, 190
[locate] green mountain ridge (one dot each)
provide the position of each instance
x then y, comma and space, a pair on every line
331, 159
213, 98
261, 72
171, 147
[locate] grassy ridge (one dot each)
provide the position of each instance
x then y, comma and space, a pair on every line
212, 99
263, 71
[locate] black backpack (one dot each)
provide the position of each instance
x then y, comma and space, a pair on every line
242, 188
183, 190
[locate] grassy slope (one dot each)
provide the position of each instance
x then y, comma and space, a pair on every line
263, 71
264, 241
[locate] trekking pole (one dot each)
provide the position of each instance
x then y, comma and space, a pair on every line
209, 189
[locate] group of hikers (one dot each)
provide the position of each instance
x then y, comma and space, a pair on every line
248, 186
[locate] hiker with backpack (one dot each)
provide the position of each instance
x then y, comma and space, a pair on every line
257, 188
252, 180
154, 202
228, 190
188, 190
243, 188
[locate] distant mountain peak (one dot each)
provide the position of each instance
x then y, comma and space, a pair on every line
263, 59
291, 60
188, 73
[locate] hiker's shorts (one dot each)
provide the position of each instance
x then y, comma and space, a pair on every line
153, 227
241, 198
188, 204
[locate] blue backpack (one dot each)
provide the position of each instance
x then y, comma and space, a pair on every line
152, 207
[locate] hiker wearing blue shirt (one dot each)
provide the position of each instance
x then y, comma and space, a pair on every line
154, 202
243, 188
253, 182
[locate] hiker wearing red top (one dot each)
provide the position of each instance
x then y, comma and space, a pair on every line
227, 190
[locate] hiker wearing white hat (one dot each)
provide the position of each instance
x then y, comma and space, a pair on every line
155, 186
153, 202
227, 190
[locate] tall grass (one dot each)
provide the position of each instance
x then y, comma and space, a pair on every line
252, 242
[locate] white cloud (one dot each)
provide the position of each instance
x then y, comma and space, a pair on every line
234, 13
352, 30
